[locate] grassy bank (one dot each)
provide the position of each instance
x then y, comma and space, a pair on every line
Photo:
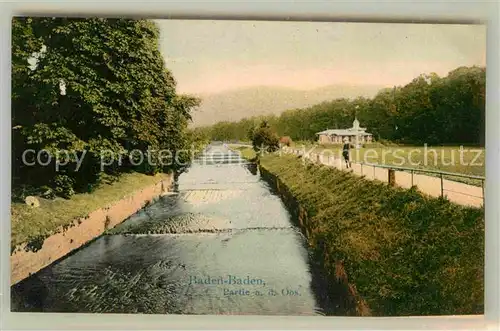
245, 152
28, 223
407, 254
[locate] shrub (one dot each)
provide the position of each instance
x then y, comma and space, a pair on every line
63, 186
265, 139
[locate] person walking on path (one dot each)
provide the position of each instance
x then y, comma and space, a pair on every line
345, 152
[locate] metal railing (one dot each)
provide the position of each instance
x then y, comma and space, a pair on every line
437, 173
315, 157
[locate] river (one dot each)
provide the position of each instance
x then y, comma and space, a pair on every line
221, 243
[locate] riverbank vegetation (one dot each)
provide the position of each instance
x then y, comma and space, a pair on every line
264, 139
405, 253
82, 99
92, 102
245, 152
28, 223
430, 109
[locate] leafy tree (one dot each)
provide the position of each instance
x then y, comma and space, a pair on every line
265, 139
118, 97
250, 133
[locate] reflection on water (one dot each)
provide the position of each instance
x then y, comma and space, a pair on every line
223, 245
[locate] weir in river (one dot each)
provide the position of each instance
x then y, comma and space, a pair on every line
221, 243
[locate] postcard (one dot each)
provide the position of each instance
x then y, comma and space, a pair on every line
218, 167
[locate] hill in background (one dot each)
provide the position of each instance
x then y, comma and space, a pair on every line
263, 100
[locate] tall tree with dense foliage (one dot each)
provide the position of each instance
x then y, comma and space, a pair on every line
264, 139
98, 85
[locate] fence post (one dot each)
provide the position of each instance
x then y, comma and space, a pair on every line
442, 189
374, 172
392, 177
361, 169
482, 188
412, 178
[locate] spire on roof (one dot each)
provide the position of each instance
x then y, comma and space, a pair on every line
355, 123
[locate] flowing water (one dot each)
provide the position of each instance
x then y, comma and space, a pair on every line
221, 243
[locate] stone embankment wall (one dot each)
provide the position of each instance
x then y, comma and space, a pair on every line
25, 262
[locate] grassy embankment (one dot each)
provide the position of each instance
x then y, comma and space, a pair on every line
439, 158
406, 253
29, 223
245, 152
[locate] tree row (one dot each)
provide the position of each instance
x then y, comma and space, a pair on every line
429, 109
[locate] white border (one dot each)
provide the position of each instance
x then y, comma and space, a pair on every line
385, 11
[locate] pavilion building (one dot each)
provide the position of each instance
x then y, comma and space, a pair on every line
356, 135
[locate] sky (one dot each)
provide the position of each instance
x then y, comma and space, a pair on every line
208, 57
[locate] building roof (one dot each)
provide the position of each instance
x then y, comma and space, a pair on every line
355, 130
344, 132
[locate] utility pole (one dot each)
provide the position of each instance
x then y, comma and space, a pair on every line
356, 128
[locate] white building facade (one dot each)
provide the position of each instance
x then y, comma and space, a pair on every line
356, 135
